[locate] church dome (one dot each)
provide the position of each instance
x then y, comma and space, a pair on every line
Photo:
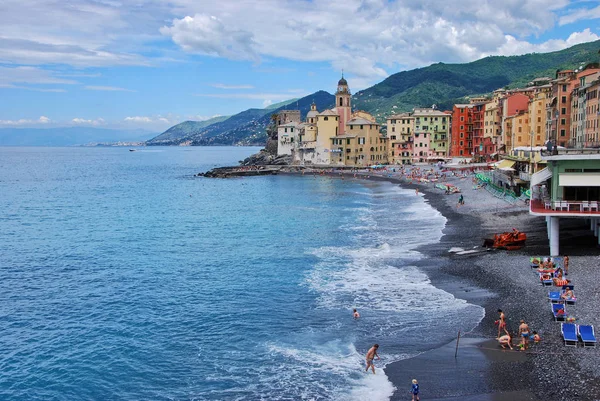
342, 81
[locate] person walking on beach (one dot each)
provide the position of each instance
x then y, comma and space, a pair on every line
371, 354
461, 200
524, 332
566, 263
501, 322
355, 314
417, 191
414, 390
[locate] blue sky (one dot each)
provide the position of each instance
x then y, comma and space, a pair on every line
151, 64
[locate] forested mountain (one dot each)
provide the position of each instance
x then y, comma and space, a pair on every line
440, 84
446, 84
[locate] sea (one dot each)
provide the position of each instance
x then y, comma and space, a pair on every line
124, 276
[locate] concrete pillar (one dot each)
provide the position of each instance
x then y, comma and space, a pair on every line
595, 227
548, 226
554, 235
592, 224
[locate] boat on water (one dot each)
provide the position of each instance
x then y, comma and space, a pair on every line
132, 150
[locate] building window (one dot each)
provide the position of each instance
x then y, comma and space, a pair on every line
326, 118
563, 99
393, 129
562, 132
462, 118
361, 127
563, 111
564, 88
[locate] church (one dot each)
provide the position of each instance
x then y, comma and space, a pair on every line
334, 137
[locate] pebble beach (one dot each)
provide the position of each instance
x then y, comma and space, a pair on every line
499, 279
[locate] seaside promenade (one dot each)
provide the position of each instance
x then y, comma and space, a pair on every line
496, 279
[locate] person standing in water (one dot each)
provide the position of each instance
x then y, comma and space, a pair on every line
371, 354
415, 390
355, 314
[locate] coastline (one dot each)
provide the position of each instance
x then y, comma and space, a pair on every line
500, 279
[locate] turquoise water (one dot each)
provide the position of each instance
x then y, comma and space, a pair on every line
123, 276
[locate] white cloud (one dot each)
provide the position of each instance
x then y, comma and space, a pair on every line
267, 102
580, 14
514, 46
107, 88
147, 120
206, 34
224, 86
30, 75
41, 120
367, 38
82, 121
370, 38
139, 119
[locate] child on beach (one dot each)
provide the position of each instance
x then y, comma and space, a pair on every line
415, 390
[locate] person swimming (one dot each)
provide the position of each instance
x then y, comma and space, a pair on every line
355, 314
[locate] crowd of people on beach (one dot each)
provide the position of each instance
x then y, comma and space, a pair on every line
550, 273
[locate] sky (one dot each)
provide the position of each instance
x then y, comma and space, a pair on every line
151, 64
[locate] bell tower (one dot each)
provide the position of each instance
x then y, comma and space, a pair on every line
343, 104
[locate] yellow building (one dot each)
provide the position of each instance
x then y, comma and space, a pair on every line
400, 128
492, 119
362, 145
537, 116
517, 130
326, 129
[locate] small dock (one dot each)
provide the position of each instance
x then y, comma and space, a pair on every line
229, 172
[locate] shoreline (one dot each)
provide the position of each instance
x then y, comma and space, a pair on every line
500, 279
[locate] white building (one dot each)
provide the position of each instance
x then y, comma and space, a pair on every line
287, 138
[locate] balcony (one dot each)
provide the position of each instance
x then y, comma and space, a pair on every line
564, 208
524, 176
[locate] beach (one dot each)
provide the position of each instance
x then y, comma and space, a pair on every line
498, 279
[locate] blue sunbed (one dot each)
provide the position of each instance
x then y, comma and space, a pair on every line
569, 333
586, 332
554, 297
559, 312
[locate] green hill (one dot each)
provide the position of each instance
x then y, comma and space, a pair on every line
444, 84
440, 84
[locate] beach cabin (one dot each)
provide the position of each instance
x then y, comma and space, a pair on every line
569, 187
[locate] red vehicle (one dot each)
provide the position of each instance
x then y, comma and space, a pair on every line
511, 240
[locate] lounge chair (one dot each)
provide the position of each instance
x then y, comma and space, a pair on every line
546, 282
554, 297
586, 332
559, 311
569, 333
568, 286
568, 301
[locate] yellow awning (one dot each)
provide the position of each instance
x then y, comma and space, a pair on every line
505, 163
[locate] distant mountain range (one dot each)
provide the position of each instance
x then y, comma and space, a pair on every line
69, 136
440, 84
245, 128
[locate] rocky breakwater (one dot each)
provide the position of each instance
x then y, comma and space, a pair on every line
240, 171
261, 163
